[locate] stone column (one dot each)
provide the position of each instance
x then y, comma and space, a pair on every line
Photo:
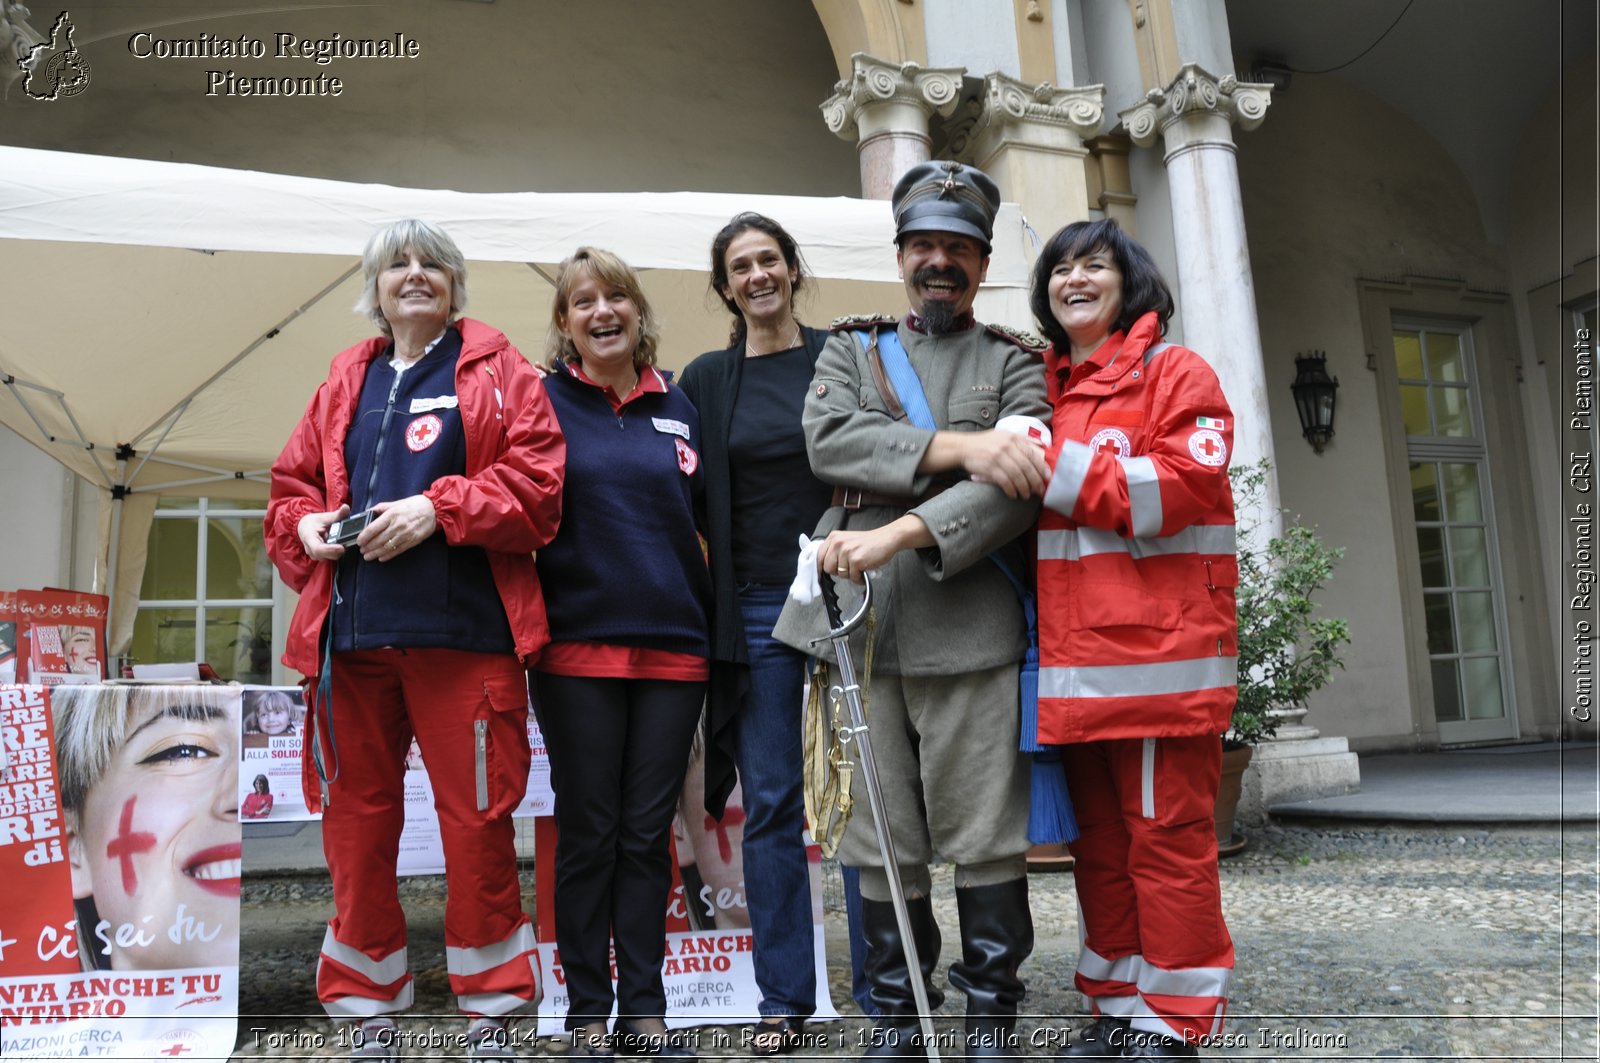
1029, 138
1194, 116
885, 108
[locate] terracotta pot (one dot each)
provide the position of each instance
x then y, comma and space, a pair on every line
1234, 761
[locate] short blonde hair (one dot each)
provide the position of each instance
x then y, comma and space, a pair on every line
393, 240
91, 724
606, 268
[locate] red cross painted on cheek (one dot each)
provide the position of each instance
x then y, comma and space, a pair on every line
730, 818
127, 843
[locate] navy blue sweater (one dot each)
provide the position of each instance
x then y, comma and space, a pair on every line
405, 435
626, 568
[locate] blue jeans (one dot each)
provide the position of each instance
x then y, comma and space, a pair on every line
777, 878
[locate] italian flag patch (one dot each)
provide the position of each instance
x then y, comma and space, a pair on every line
1209, 422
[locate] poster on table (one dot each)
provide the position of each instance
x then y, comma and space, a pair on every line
61, 636
270, 787
121, 854
706, 966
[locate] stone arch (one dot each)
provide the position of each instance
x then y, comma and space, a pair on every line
888, 29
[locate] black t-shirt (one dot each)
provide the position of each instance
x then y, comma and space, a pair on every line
775, 496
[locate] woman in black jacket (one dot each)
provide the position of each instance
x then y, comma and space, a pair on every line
760, 498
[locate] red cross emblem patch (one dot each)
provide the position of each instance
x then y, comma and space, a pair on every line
421, 433
1208, 448
688, 460
1113, 441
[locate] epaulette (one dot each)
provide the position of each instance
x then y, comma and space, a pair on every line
1028, 341
856, 321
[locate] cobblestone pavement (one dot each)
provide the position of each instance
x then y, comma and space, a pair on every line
1354, 942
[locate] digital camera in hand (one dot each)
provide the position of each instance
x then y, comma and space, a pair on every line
344, 532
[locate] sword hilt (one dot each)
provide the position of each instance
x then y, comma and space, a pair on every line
830, 602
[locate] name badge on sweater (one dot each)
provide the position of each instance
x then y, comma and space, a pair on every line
443, 402
671, 427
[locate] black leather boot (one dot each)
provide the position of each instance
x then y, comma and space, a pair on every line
896, 1034
996, 936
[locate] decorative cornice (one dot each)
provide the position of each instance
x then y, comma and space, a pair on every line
1196, 92
1006, 104
874, 82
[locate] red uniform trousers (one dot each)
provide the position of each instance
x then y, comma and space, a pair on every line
1155, 949
469, 713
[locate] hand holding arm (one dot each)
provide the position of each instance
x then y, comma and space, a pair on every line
1013, 463
854, 553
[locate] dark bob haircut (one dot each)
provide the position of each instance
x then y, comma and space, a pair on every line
742, 223
1143, 290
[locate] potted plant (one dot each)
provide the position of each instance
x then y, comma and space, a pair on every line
1285, 652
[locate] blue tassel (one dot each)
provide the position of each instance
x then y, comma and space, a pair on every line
1050, 818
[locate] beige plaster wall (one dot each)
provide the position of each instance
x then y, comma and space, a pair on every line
1338, 186
542, 95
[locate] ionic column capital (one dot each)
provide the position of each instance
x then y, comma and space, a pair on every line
884, 97
1197, 107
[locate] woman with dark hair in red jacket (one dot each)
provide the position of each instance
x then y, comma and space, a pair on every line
439, 436
1138, 639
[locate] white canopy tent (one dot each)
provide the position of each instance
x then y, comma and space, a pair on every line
186, 313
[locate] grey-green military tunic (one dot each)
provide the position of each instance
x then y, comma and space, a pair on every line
943, 709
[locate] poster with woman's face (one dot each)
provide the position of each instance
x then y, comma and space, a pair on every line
149, 784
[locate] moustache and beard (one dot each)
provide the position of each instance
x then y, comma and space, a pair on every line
939, 315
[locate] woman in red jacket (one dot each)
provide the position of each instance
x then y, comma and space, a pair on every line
439, 435
1138, 639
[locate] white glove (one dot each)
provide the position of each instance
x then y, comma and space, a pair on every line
806, 586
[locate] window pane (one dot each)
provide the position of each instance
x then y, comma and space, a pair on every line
1408, 355
174, 503
1469, 556
1450, 411
1461, 502
162, 636
1444, 358
1480, 680
1425, 491
1430, 545
1414, 410
1446, 692
170, 571
1475, 621
236, 559
239, 643
1441, 637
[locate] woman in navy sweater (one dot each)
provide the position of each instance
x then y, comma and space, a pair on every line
619, 688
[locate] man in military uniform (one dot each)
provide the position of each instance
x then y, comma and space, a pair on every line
923, 508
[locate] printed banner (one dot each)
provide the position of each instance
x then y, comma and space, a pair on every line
270, 786
124, 942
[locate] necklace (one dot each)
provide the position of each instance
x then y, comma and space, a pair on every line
751, 352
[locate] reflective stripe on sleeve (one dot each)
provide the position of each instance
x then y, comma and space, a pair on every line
1072, 468
1068, 544
1144, 496
1138, 680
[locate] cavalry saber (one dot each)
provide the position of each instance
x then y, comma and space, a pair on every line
850, 690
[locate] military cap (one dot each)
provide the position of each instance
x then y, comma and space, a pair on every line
946, 197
